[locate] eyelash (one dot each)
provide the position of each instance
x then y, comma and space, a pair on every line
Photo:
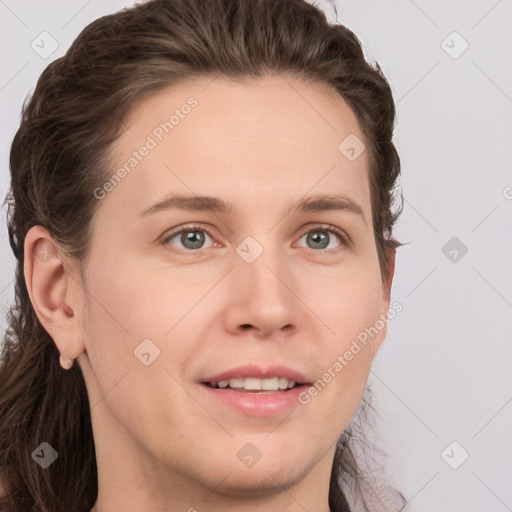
345, 240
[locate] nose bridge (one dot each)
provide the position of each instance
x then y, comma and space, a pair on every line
259, 263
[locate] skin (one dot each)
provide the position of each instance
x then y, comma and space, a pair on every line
161, 444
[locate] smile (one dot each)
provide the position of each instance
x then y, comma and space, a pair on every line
255, 384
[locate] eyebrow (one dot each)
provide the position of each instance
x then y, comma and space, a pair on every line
315, 203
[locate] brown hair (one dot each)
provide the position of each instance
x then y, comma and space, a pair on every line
59, 156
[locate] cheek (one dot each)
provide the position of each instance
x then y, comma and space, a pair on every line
133, 312
353, 310
130, 303
112, 328
108, 346
124, 388
150, 299
350, 301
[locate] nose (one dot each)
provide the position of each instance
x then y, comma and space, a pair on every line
262, 301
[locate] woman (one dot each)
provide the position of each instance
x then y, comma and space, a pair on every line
202, 215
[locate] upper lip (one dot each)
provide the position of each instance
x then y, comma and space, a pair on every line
259, 373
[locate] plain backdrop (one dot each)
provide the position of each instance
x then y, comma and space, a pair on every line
442, 380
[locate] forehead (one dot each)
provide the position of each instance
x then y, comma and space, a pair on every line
275, 137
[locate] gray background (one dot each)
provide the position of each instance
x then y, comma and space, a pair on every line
443, 373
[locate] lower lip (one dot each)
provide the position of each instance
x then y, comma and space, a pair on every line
257, 404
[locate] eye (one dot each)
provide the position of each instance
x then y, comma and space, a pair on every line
192, 238
319, 238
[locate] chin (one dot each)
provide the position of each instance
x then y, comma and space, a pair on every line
260, 482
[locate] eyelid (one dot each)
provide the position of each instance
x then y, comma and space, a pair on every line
345, 239
340, 233
191, 227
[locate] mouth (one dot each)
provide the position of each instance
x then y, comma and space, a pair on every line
254, 391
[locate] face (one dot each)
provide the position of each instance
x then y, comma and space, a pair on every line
262, 282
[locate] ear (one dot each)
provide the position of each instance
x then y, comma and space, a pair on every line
54, 292
390, 255
386, 290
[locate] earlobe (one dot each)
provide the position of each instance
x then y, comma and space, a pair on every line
65, 362
50, 289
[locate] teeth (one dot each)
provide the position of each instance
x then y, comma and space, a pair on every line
282, 383
236, 383
269, 384
255, 384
